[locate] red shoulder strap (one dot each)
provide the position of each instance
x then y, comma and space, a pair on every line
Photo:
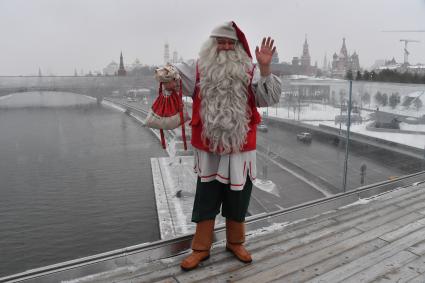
196, 81
251, 94
161, 131
252, 74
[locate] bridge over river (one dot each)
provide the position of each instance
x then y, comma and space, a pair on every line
95, 86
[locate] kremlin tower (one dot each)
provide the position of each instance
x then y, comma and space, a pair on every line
121, 70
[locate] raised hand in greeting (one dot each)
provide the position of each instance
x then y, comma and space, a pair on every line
264, 55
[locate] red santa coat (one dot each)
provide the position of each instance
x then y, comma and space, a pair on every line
196, 123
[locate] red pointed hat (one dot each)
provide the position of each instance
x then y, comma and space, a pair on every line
232, 31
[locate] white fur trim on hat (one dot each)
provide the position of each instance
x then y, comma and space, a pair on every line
225, 30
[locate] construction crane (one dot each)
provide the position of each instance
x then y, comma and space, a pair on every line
406, 53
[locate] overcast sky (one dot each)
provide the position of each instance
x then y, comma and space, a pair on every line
59, 36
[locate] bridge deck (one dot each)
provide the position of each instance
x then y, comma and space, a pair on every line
380, 240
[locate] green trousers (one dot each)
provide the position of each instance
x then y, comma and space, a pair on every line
210, 196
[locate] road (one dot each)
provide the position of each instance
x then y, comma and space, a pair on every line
289, 189
326, 161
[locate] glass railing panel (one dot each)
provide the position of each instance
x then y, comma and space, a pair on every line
388, 139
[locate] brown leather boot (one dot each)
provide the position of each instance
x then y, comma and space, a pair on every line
201, 245
235, 234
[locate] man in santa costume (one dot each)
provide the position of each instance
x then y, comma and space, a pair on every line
226, 88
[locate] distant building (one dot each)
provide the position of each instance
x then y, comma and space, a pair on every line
134, 66
111, 69
343, 62
325, 64
299, 65
166, 53
391, 62
282, 69
305, 59
378, 63
121, 69
401, 68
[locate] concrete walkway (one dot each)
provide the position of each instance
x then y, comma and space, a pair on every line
174, 184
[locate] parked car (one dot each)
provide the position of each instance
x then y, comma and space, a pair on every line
262, 127
304, 137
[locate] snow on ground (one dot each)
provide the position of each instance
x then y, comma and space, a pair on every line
415, 140
315, 114
404, 111
5, 96
416, 94
113, 105
267, 186
312, 112
359, 202
411, 127
303, 77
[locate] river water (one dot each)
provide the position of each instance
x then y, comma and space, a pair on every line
75, 180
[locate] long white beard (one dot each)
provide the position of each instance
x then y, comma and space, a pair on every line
225, 112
